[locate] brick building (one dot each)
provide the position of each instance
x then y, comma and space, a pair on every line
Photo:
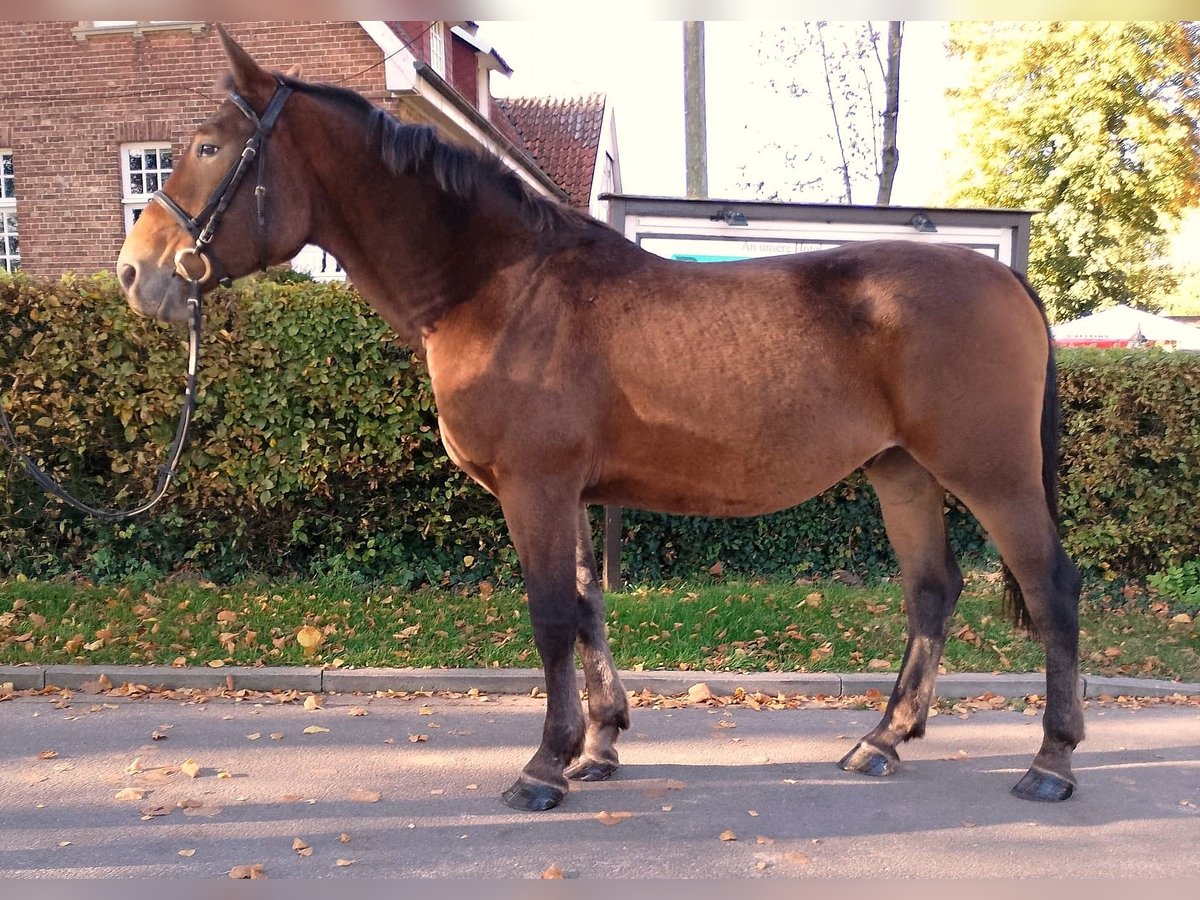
94, 112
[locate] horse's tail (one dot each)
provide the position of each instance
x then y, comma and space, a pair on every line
1014, 600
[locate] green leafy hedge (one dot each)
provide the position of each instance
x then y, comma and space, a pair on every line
315, 452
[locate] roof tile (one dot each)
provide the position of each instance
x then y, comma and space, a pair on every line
562, 136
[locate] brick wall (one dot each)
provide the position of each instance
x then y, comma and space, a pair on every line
68, 106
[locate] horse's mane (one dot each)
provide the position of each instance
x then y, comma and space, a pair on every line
411, 149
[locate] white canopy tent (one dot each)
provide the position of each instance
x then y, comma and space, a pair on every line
1122, 326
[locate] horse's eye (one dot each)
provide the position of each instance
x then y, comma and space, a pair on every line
207, 150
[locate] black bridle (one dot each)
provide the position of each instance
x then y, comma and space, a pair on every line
202, 227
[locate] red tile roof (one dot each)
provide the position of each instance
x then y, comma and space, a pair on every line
562, 136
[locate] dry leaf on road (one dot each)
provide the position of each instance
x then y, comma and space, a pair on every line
554, 873
255, 872
728, 835
612, 818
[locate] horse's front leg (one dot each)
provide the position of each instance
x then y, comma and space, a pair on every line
542, 519
608, 707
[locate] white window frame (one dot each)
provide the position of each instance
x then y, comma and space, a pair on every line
134, 202
318, 263
8, 212
138, 29
437, 48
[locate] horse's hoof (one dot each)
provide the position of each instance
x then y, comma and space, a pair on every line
868, 760
591, 770
533, 797
1044, 787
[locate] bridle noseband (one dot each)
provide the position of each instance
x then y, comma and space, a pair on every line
202, 227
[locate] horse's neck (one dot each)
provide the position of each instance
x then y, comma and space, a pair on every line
413, 261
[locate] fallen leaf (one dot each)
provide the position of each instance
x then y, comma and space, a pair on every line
752, 812
315, 729
344, 838
426, 710
254, 872
728, 835
879, 664
154, 810
216, 663
312, 702
310, 639
345, 862
764, 840
157, 735
699, 693
364, 796
554, 873
188, 853
131, 793
254, 737
277, 735
301, 848
48, 754
659, 789
612, 818
357, 711
190, 768
417, 738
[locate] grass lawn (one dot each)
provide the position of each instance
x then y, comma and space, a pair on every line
822, 626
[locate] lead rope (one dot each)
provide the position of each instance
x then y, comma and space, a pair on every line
165, 472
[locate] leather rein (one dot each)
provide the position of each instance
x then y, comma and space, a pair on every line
202, 227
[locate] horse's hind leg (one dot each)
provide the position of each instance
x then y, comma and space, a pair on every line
911, 500
1021, 526
608, 707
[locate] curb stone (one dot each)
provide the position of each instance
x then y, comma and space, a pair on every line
522, 681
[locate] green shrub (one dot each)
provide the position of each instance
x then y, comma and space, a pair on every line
1130, 473
1180, 584
315, 452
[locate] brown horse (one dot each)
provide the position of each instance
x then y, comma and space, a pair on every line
570, 367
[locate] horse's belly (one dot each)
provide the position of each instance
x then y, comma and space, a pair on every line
704, 477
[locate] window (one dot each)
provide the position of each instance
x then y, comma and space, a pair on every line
139, 29
10, 248
437, 48
316, 262
144, 170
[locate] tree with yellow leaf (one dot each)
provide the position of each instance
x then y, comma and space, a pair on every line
1096, 125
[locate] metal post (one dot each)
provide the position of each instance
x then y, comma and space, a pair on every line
611, 575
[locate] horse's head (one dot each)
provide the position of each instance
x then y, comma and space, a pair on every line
227, 209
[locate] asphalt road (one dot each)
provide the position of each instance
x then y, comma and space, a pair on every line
410, 807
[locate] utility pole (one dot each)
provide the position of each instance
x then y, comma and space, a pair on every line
695, 135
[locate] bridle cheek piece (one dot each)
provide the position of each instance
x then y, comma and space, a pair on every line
203, 225
194, 265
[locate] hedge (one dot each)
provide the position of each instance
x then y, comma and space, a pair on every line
315, 453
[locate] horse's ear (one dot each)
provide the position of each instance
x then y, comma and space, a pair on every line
251, 80
293, 71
